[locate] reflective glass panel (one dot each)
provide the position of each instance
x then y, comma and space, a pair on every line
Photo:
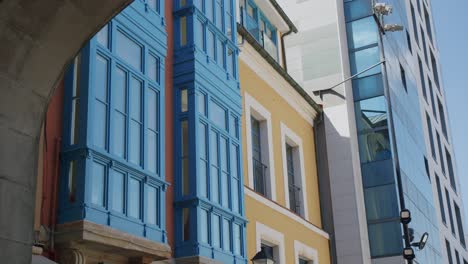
371, 113
128, 50
118, 190
97, 184
151, 206
134, 198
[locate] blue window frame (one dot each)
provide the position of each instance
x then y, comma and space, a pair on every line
112, 168
208, 184
260, 27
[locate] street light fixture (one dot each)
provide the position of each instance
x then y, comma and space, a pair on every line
393, 27
263, 257
405, 216
422, 243
383, 9
408, 254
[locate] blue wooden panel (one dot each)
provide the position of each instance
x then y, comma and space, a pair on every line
118, 162
207, 107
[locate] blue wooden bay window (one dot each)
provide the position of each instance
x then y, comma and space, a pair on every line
257, 23
112, 152
209, 205
208, 28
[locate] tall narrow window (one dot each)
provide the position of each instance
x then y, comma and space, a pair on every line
185, 224
415, 27
75, 111
219, 14
450, 170
98, 184
403, 77
408, 41
424, 47
135, 121
120, 113
421, 76
431, 136
152, 205
134, 198
449, 252
461, 232
101, 102
457, 257
431, 91
204, 226
183, 31
259, 168
72, 174
118, 192
442, 118
215, 231
203, 164
441, 158
185, 157
428, 23
294, 187
226, 235
435, 70
229, 19
153, 131
449, 208
441, 200
237, 241
215, 166
235, 168
426, 165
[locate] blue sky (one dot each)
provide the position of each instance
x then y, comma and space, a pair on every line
451, 27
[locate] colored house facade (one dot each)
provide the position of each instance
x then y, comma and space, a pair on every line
279, 153
169, 140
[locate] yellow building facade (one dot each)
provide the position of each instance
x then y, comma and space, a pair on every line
282, 202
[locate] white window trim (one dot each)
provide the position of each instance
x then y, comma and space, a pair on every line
271, 236
252, 107
284, 211
291, 138
304, 251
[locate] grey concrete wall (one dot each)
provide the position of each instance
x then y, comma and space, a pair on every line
37, 40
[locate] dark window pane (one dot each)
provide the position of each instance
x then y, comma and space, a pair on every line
371, 113
385, 239
374, 146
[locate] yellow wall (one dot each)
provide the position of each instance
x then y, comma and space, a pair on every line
282, 111
258, 212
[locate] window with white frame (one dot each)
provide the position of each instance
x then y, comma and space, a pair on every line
270, 240
293, 171
304, 254
259, 148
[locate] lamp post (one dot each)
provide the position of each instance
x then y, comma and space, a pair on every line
263, 257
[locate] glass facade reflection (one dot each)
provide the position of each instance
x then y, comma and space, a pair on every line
371, 106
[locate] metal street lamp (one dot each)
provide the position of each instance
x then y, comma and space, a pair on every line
263, 257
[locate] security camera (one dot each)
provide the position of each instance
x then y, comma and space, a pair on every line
383, 9
393, 27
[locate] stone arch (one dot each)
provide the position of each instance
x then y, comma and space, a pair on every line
37, 40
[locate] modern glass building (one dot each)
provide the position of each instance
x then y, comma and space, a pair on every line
388, 146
